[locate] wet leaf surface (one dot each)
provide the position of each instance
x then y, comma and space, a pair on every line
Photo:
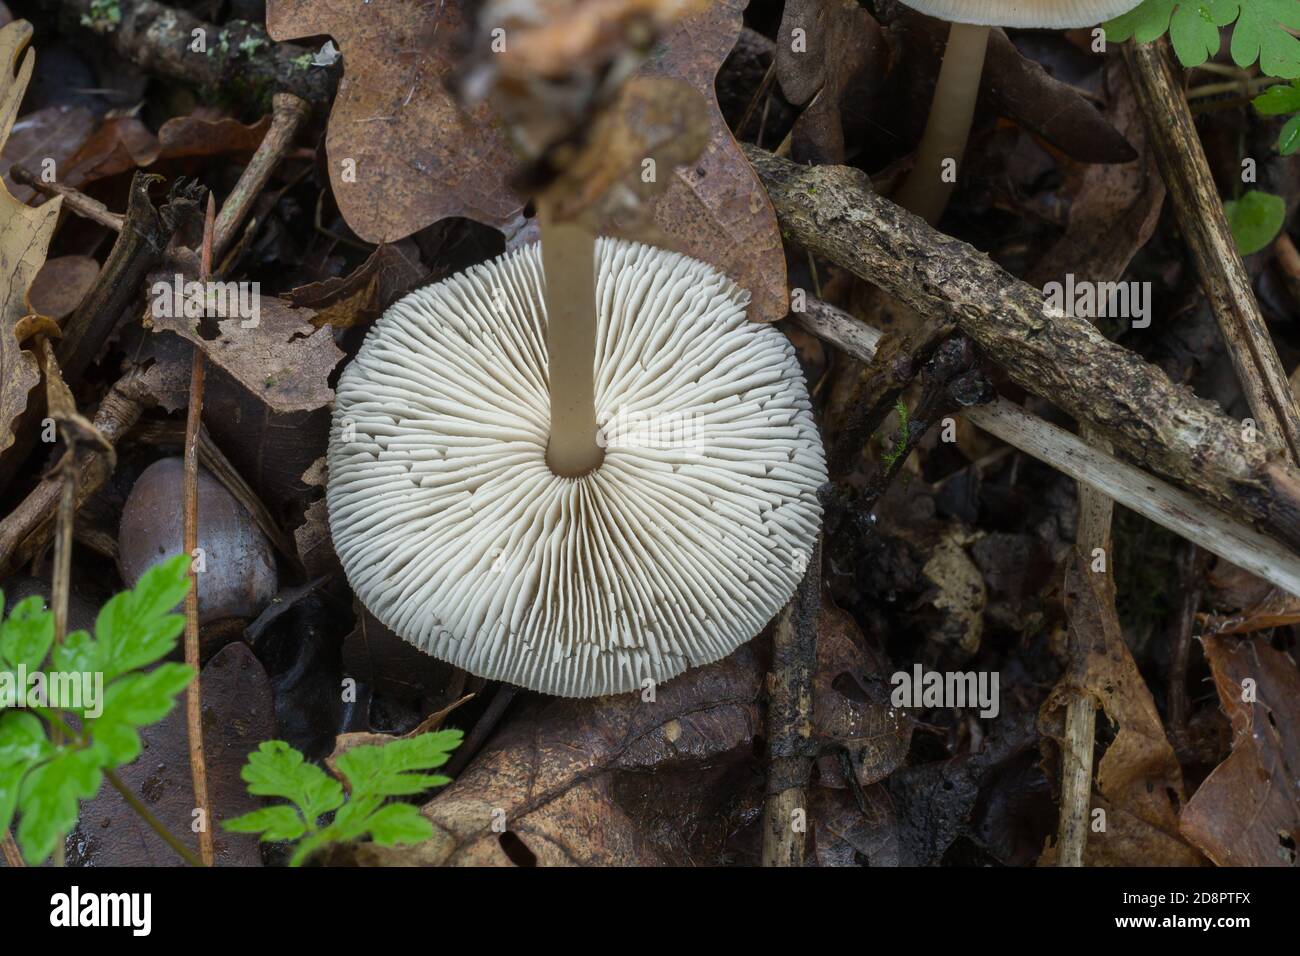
237, 716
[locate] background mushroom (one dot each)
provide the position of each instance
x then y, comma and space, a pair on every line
925, 192
455, 531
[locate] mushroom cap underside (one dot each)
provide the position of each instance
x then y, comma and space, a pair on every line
682, 545
1025, 14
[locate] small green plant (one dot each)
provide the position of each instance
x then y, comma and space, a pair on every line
71, 712
904, 427
104, 16
373, 773
1260, 33
1256, 219
1278, 101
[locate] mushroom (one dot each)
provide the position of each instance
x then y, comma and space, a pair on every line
926, 192
457, 530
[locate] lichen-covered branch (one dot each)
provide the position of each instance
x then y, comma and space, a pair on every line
237, 58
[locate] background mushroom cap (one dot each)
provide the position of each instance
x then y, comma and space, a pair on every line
1027, 14
681, 546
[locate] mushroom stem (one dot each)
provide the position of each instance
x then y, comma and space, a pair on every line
927, 190
569, 263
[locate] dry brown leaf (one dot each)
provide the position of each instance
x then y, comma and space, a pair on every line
841, 66
389, 273
61, 284
1117, 206
844, 834
852, 713
121, 144
24, 238
345, 742
655, 119
417, 156
1138, 781
555, 38
54, 133
1247, 812
315, 546
555, 781
715, 209
283, 360
201, 135
238, 714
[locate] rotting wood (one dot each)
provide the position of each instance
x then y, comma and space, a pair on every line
1224, 278
1167, 506
1162, 426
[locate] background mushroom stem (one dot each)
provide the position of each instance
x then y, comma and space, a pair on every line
568, 259
925, 192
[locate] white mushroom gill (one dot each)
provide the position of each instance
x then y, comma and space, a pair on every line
681, 546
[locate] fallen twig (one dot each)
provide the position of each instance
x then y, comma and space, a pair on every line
1096, 511
74, 200
193, 693
287, 116
27, 529
239, 56
10, 849
791, 749
1163, 426
1200, 213
1150, 497
138, 249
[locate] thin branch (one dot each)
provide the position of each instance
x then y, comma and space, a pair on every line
193, 694
1162, 426
73, 199
791, 749
287, 117
10, 850
1150, 497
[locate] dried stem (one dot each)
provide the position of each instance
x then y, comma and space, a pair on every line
138, 249
158, 38
28, 528
790, 746
288, 113
1150, 497
1076, 779
1200, 213
10, 850
193, 694
73, 200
